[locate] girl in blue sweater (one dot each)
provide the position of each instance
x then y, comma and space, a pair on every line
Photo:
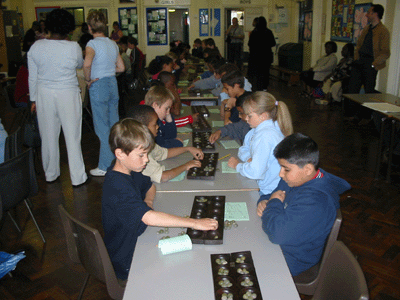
270, 121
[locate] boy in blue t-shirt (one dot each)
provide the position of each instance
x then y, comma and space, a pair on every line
161, 99
299, 214
127, 202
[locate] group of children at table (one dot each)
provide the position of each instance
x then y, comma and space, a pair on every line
298, 200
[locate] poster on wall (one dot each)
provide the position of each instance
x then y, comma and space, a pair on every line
128, 20
41, 12
156, 26
360, 19
342, 20
217, 22
203, 19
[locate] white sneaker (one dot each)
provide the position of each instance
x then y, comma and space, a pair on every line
97, 172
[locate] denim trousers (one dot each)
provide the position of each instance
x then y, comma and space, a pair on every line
104, 102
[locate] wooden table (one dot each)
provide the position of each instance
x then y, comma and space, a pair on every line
390, 117
188, 275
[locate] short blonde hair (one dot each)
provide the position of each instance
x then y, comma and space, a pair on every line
260, 102
158, 95
97, 21
128, 134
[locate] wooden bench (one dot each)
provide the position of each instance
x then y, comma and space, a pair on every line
292, 77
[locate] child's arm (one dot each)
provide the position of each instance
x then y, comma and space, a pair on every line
258, 166
157, 218
197, 153
177, 105
150, 195
169, 174
183, 121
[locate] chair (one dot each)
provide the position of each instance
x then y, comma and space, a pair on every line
306, 282
14, 144
86, 246
18, 183
21, 113
341, 277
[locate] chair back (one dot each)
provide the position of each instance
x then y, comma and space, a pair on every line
9, 92
86, 246
306, 282
14, 144
17, 180
341, 276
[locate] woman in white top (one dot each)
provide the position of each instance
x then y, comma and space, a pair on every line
55, 94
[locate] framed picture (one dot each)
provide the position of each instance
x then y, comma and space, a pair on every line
41, 12
157, 26
78, 13
128, 21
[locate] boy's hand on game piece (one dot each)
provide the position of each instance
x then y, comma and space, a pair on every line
192, 164
195, 117
231, 103
197, 153
249, 160
281, 195
261, 207
233, 162
214, 136
205, 224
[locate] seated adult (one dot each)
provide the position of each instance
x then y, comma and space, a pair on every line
324, 66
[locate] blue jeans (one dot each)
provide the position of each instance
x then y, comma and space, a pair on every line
104, 102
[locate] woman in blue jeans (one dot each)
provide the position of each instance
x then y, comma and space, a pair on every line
102, 61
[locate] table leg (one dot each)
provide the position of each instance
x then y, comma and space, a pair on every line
392, 134
379, 158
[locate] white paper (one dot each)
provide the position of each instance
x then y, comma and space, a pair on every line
383, 107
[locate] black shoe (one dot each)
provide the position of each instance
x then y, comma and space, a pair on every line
82, 184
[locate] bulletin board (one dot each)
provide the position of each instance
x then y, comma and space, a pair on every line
360, 19
217, 22
203, 22
157, 33
342, 20
128, 20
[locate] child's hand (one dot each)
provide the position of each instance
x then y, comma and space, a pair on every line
261, 207
195, 117
231, 102
233, 162
226, 122
281, 195
197, 153
168, 118
215, 136
179, 140
191, 87
205, 224
193, 164
249, 160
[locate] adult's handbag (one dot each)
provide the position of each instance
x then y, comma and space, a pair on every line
31, 132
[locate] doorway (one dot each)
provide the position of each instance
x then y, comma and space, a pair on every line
231, 13
179, 24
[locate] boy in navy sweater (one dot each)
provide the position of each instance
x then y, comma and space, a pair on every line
299, 214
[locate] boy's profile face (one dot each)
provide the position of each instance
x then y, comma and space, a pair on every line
135, 161
163, 110
292, 174
233, 91
153, 126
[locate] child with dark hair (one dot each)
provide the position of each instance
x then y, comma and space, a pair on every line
128, 196
211, 82
102, 62
233, 83
197, 50
299, 213
146, 115
160, 63
136, 57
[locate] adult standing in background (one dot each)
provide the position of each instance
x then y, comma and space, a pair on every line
371, 52
102, 62
56, 97
117, 33
235, 37
260, 57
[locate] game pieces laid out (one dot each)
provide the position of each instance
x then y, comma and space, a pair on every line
201, 125
207, 169
202, 110
201, 141
234, 276
208, 207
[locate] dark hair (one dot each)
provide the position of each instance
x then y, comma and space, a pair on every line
210, 42
142, 113
165, 77
332, 45
211, 52
123, 40
156, 64
298, 149
378, 9
85, 27
197, 41
350, 48
59, 21
261, 23
227, 68
116, 23
232, 78
132, 40
84, 39
216, 62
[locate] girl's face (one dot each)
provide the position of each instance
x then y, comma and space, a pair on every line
254, 119
163, 110
168, 67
